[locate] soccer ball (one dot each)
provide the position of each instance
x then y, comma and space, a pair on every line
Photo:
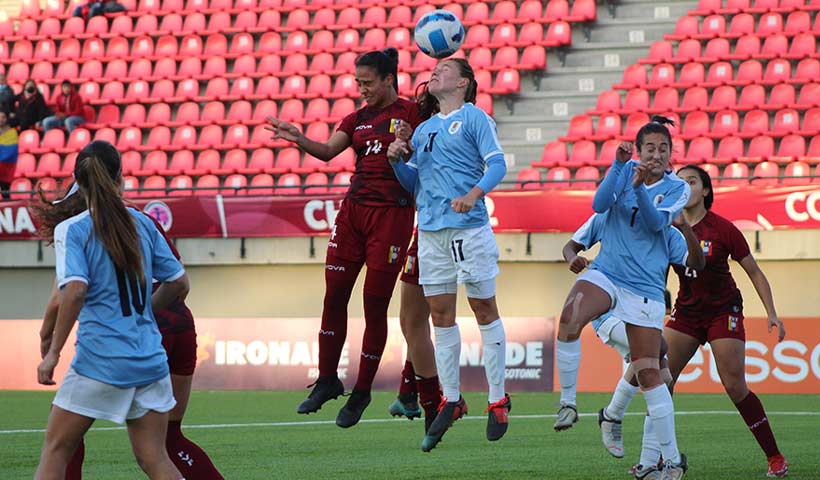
439, 34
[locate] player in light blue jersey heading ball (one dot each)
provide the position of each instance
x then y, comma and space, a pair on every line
455, 160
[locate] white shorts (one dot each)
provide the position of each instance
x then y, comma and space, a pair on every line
613, 333
91, 398
454, 255
627, 306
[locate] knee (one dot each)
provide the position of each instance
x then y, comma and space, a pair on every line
485, 310
649, 378
568, 328
148, 458
736, 389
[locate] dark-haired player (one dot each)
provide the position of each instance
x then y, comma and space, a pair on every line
373, 228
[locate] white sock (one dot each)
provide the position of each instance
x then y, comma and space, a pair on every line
650, 449
623, 394
495, 351
662, 413
448, 354
568, 358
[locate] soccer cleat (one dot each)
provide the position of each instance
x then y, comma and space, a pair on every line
611, 434
428, 420
778, 466
448, 412
645, 473
567, 415
324, 389
675, 471
352, 412
497, 418
406, 406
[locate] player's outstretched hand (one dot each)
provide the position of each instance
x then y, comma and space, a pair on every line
624, 152
641, 174
284, 130
578, 264
404, 131
45, 371
781, 330
396, 150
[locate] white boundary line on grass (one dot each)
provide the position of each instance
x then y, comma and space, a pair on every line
386, 420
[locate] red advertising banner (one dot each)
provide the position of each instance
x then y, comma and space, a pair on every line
791, 366
750, 208
282, 354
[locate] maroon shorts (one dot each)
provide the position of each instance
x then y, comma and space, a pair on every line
410, 272
375, 236
708, 328
181, 350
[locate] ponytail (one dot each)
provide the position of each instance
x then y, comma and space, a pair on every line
98, 172
50, 213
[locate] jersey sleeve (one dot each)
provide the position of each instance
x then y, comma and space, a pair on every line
164, 265
485, 134
675, 200
589, 233
736, 243
676, 243
71, 262
348, 124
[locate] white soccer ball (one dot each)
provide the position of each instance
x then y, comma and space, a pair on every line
439, 33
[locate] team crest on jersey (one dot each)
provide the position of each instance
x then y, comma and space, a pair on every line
732, 323
393, 254
394, 124
658, 199
454, 127
706, 246
161, 213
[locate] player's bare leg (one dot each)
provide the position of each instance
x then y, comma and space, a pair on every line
188, 457
585, 302
645, 346
494, 345
147, 435
64, 433
730, 355
448, 354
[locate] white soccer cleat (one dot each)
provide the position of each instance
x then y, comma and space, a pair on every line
675, 471
645, 473
611, 434
567, 415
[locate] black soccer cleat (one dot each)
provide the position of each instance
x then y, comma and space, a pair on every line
498, 418
324, 389
352, 412
406, 406
448, 412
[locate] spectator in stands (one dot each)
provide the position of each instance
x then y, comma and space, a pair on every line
68, 109
6, 95
97, 7
8, 155
29, 107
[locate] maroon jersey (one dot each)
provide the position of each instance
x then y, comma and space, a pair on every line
371, 130
712, 291
176, 317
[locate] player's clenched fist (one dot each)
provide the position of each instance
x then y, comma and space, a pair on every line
404, 131
578, 264
624, 152
396, 150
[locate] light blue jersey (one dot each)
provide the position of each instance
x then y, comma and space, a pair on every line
634, 251
450, 153
118, 341
591, 233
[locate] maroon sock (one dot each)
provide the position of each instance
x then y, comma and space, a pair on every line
191, 461
74, 470
378, 288
339, 282
429, 394
753, 414
408, 379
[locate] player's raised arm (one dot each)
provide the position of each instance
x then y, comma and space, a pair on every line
609, 189
323, 151
694, 257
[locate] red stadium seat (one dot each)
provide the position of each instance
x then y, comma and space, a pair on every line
286, 160
317, 183
288, 184
782, 96
634, 122
235, 185
480, 35
583, 153
77, 139
766, 173
28, 141
558, 177
777, 71
586, 178
792, 147
191, 46
786, 121
691, 74
750, 71
181, 185
556, 10
131, 162
261, 184
735, 174
399, 38
713, 26
811, 123
207, 185
48, 165
720, 73
726, 123
661, 51
760, 149
607, 153
554, 153
701, 150
187, 114
261, 161
729, 150
797, 173
155, 162
21, 189
686, 27
580, 127
755, 122
663, 74
528, 179
798, 22
741, 24
666, 99
558, 34
131, 184
130, 138
751, 97
808, 70
770, 24
609, 126
608, 101
341, 182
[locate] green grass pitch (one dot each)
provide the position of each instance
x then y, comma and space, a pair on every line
258, 435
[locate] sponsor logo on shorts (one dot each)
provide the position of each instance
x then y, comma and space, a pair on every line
332, 244
335, 268
393, 254
732, 323
706, 246
410, 265
454, 127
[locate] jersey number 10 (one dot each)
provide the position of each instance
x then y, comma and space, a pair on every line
136, 298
